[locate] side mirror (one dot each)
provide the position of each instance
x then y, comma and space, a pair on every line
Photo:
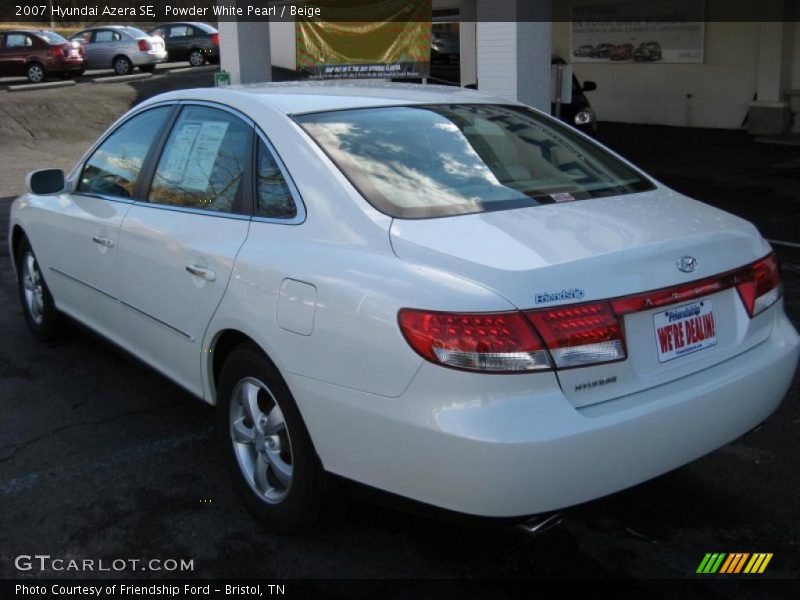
45, 181
589, 86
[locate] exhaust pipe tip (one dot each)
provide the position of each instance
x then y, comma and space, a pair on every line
541, 523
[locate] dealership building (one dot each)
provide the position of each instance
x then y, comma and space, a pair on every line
711, 70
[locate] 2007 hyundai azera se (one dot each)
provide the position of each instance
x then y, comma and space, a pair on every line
438, 293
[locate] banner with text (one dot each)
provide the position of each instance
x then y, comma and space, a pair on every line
398, 45
667, 31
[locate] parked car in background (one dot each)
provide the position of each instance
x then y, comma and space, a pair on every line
621, 52
445, 46
647, 51
578, 112
196, 42
499, 318
37, 54
584, 51
602, 50
121, 48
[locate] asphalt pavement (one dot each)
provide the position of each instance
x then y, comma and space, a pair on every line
100, 457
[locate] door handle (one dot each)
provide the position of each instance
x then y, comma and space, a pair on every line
103, 241
207, 274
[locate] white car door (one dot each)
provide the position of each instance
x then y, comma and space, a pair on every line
83, 229
177, 248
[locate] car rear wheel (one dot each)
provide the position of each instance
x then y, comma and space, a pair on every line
122, 65
44, 320
35, 72
196, 58
266, 444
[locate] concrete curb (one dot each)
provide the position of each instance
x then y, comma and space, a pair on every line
192, 69
40, 86
121, 78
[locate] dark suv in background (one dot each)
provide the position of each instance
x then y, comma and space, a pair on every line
196, 42
37, 54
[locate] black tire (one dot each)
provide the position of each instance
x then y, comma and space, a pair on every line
197, 58
282, 509
44, 322
122, 65
35, 72
147, 68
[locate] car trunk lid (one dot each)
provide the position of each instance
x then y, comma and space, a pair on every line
575, 252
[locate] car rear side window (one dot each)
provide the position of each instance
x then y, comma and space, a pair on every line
18, 40
203, 162
179, 31
106, 35
446, 159
114, 167
273, 196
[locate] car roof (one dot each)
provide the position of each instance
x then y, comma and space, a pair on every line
199, 24
299, 97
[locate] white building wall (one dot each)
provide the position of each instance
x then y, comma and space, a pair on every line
282, 47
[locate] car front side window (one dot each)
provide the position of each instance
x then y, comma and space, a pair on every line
273, 196
114, 167
203, 162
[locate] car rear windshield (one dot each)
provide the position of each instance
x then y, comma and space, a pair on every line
51, 37
429, 161
134, 32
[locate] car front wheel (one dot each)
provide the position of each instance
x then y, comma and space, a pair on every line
41, 314
266, 444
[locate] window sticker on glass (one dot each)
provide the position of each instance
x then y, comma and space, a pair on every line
204, 154
179, 153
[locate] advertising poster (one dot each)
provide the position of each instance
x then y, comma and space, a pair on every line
397, 44
650, 32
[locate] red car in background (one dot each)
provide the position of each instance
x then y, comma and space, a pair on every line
37, 54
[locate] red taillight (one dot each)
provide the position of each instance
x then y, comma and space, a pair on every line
144, 46
574, 335
494, 342
215, 39
760, 285
580, 335
57, 51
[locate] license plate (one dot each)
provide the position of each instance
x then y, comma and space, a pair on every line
684, 330
74, 53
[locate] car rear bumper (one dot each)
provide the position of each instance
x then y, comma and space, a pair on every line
149, 58
454, 440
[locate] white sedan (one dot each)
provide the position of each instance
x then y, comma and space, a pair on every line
438, 293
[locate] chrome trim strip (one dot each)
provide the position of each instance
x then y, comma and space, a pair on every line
103, 197
300, 217
123, 303
159, 321
83, 283
192, 210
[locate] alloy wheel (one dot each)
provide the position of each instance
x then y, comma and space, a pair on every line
196, 58
32, 288
122, 66
35, 73
261, 440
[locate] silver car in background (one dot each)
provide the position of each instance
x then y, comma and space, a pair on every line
120, 48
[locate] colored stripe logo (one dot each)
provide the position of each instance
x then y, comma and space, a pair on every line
733, 563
